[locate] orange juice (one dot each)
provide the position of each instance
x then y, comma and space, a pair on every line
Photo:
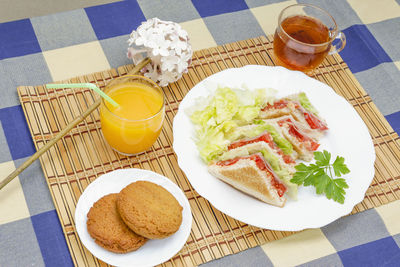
134, 126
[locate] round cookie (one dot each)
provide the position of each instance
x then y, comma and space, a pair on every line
149, 210
107, 228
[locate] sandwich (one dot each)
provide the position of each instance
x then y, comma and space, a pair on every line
256, 129
281, 164
265, 144
231, 168
252, 175
300, 108
254, 147
302, 141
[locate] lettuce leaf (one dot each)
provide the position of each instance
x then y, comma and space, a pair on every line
282, 143
305, 102
234, 153
247, 114
271, 159
226, 104
263, 126
224, 112
204, 117
211, 141
282, 173
285, 177
248, 131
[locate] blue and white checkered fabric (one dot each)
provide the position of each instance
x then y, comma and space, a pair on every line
59, 46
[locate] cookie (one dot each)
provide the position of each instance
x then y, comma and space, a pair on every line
108, 230
149, 210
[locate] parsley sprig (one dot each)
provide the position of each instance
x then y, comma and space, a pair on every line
320, 176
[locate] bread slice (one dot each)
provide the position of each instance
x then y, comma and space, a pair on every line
247, 177
274, 113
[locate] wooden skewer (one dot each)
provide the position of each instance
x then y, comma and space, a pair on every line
68, 128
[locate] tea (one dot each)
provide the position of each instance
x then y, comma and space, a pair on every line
301, 42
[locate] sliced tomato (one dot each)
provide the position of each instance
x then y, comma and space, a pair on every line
281, 188
281, 122
314, 145
314, 122
288, 159
298, 135
261, 164
228, 162
280, 104
265, 137
293, 131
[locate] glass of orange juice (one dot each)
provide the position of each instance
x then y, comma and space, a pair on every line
134, 126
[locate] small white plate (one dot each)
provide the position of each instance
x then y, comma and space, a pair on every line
347, 137
153, 252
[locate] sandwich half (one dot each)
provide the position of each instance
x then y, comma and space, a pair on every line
300, 108
302, 142
305, 112
260, 142
281, 164
255, 132
253, 176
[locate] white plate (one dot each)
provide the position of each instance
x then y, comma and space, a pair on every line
153, 252
347, 137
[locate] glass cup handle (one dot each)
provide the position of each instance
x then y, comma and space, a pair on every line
339, 45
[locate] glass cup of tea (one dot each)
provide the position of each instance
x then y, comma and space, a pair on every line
135, 125
304, 36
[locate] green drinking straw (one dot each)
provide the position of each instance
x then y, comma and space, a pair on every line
80, 85
72, 124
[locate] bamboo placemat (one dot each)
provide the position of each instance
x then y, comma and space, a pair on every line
83, 155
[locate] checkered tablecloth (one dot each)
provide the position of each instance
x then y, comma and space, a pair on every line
43, 49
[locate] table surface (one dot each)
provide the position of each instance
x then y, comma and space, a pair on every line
39, 50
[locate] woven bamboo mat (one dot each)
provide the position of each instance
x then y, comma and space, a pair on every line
83, 155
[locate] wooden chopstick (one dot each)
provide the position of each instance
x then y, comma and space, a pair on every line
64, 131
